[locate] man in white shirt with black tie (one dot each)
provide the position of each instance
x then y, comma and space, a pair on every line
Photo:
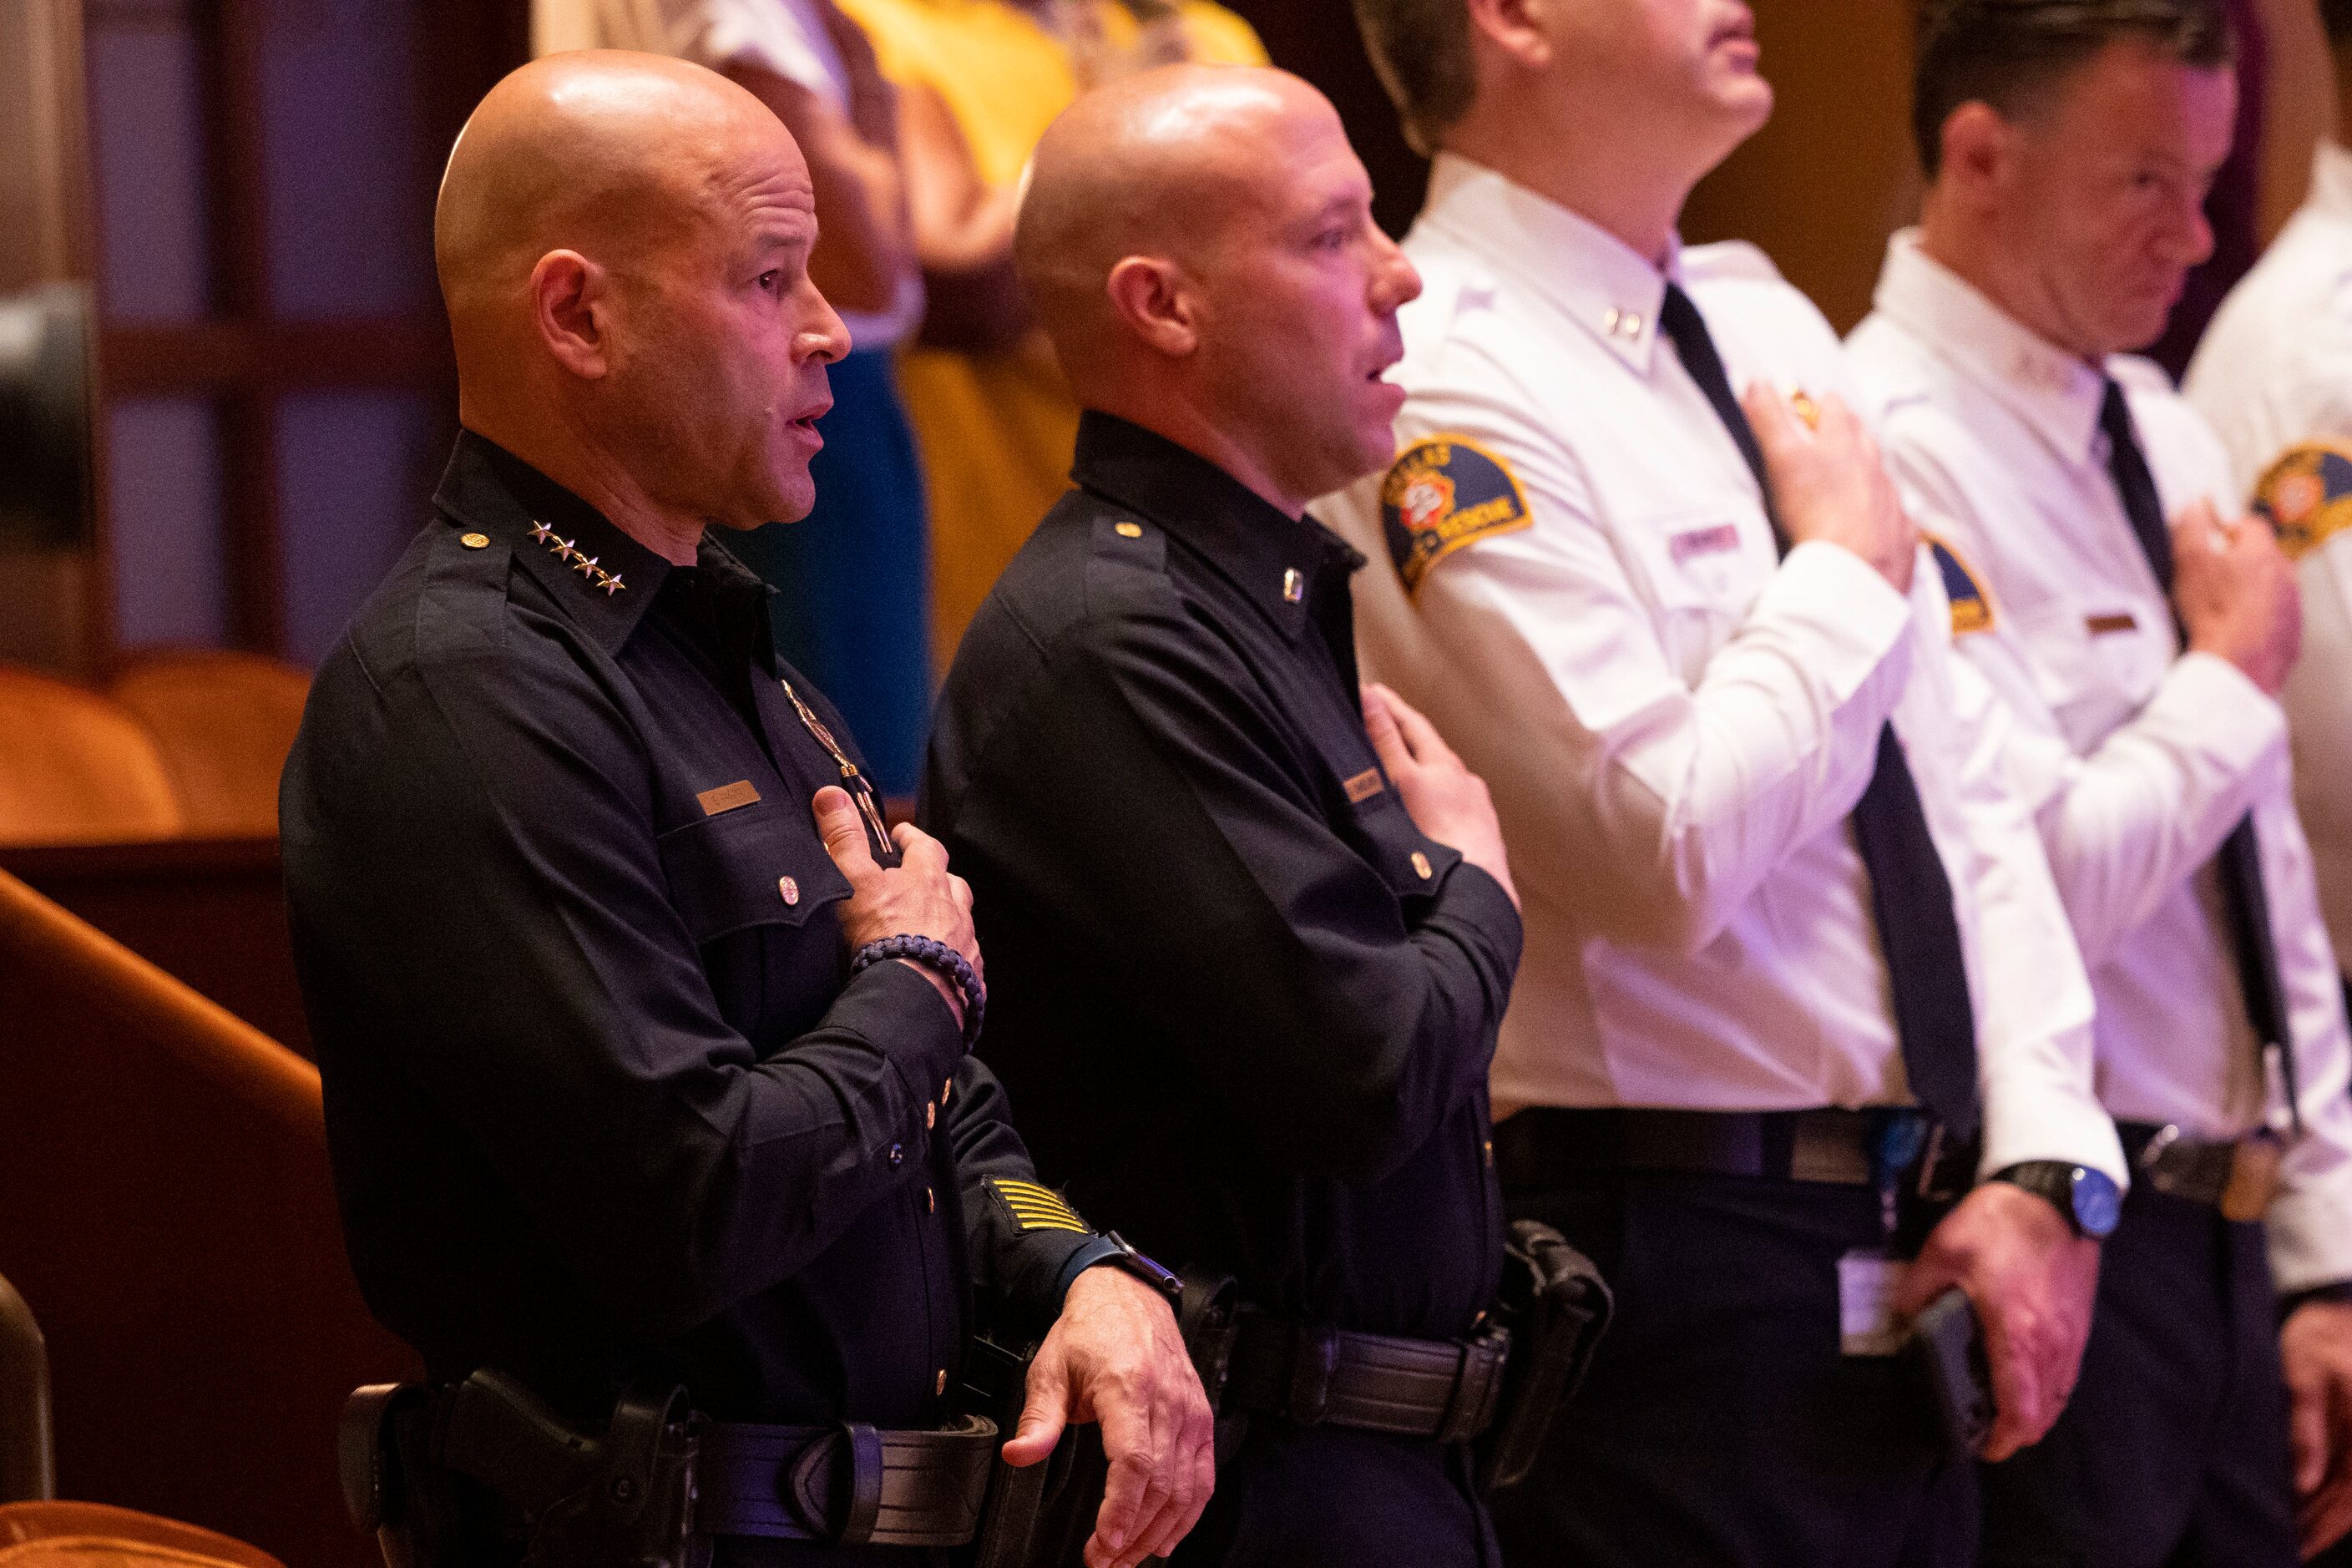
2141, 639
1796, 977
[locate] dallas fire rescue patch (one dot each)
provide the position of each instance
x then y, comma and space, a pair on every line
1443, 492
2307, 495
1971, 606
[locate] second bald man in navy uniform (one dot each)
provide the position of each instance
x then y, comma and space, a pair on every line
1247, 959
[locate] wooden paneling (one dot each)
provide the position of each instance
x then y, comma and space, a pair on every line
1823, 185
211, 912
51, 613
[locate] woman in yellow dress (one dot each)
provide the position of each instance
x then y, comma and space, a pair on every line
979, 82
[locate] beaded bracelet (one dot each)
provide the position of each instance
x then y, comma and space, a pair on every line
940, 959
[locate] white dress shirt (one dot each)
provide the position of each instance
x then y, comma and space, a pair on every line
2137, 759
1675, 723
2274, 375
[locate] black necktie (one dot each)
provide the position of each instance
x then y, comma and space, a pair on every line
2238, 863
1910, 895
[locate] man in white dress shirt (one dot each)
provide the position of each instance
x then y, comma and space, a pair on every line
1796, 976
2274, 377
2141, 641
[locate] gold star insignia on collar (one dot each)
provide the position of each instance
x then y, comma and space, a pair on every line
564, 550
540, 532
585, 566
611, 583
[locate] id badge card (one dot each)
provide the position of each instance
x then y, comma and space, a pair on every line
1867, 1282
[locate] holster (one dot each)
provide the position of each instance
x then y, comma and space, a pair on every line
482, 1472
1557, 1307
1041, 1515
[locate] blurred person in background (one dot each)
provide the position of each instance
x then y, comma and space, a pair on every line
979, 80
2274, 378
852, 607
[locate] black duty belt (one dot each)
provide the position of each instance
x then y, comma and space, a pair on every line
851, 1484
1445, 1389
2237, 1176
1543, 1145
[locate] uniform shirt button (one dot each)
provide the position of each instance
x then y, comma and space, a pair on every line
1490, 1153
790, 888
1420, 866
897, 1155
946, 1086
939, 1383
930, 1201
931, 1117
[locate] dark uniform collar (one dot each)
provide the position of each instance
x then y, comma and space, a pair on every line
1285, 566
602, 579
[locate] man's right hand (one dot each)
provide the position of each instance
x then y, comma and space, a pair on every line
2237, 593
917, 897
1442, 797
1829, 483
2032, 1282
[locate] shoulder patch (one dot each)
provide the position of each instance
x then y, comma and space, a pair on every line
1036, 1207
1971, 604
1443, 492
2307, 494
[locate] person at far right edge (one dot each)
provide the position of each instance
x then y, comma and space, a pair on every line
2274, 375
2141, 640
1801, 1039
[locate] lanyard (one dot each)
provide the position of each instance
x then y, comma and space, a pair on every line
852, 780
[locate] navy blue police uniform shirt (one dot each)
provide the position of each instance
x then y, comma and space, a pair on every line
1245, 1006
602, 1100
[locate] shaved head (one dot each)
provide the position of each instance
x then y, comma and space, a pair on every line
1197, 241
1153, 163
622, 241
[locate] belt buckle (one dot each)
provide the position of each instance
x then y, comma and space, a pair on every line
2254, 1162
1477, 1385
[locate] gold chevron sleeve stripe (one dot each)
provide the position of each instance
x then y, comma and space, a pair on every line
1035, 1207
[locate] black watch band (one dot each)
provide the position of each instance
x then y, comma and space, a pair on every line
2090, 1200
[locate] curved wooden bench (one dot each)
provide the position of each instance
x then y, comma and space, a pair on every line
169, 1216
222, 724
77, 768
93, 1535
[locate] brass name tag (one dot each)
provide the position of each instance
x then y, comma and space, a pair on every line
1365, 786
2100, 626
727, 797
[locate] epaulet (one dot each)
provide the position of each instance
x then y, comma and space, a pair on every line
2136, 374
1440, 494
2305, 492
1729, 260
1123, 537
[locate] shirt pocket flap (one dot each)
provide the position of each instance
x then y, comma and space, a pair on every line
747, 868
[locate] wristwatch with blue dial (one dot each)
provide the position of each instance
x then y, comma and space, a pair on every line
2091, 1201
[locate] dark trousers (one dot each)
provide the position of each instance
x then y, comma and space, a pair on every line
1326, 1497
2173, 1451
1720, 1424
